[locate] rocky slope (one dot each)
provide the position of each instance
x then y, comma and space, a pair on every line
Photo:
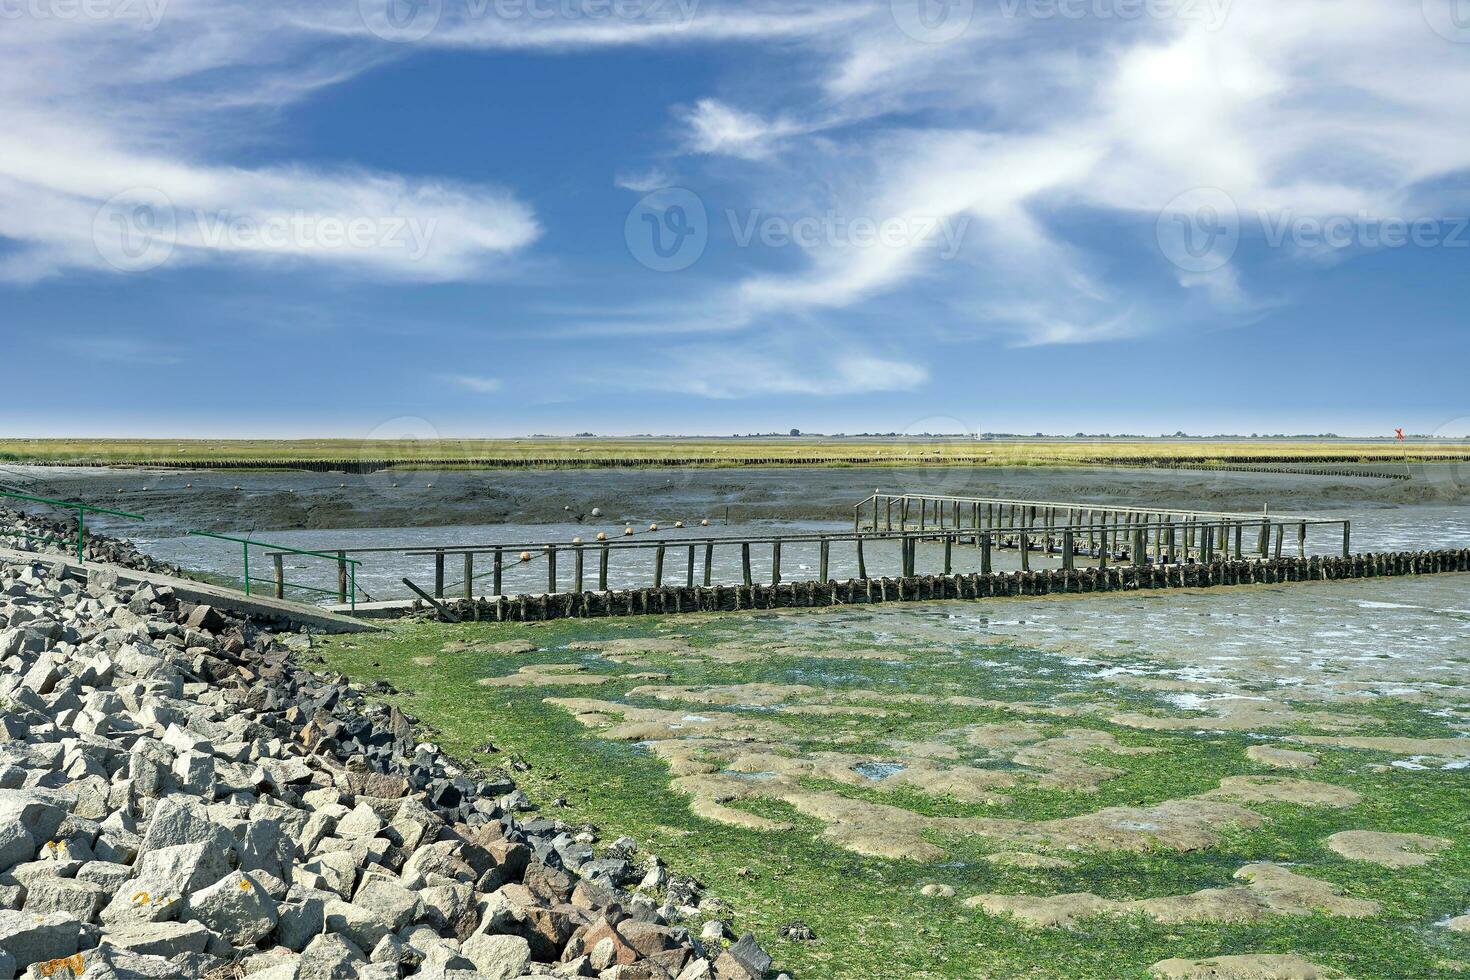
179, 797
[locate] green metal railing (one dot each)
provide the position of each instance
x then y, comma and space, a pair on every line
347, 567
82, 511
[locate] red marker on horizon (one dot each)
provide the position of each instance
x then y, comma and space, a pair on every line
1399, 434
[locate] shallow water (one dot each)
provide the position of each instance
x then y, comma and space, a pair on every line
380, 575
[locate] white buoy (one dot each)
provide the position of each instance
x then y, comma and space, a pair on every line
597, 512
602, 535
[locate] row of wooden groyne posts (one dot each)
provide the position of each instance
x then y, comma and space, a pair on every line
888, 530
923, 588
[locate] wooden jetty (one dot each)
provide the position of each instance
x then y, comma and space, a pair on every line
888, 531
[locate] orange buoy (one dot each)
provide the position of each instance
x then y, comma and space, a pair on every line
525, 556
704, 523
602, 535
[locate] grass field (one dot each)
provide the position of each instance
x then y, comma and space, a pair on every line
730, 451
611, 716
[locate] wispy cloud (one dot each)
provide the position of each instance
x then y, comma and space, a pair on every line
775, 369
117, 156
479, 385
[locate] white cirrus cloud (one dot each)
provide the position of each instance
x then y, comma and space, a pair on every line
477, 384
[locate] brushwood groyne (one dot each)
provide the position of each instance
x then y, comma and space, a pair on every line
927, 588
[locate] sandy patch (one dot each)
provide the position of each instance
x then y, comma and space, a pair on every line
1255, 966
1460, 923
547, 675
424, 661
1238, 714
1025, 859
504, 648
1447, 748
1281, 789
757, 695
640, 724
1269, 889
835, 653
1387, 850
1268, 755
720, 758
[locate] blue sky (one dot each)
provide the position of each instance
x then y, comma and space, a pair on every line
499, 217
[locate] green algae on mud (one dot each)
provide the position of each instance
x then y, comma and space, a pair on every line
867, 912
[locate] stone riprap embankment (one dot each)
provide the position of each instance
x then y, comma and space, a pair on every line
45, 535
180, 797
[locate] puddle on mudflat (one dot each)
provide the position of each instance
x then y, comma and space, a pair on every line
878, 770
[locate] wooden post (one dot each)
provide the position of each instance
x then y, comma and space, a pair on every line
923, 512
985, 553
658, 567
1172, 549
745, 561
1347, 539
1069, 556
889, 502
1301, 540
602, 557
948, 555
709, 556
903, 514
1239, 540
499, 572
280, 563
1025, 552
1206, 543
862, 561
826, 547
551, 570
1102, 546
776, 562
341, 577
1280, 539
438, 575
469, 574
689, 579
580, 566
